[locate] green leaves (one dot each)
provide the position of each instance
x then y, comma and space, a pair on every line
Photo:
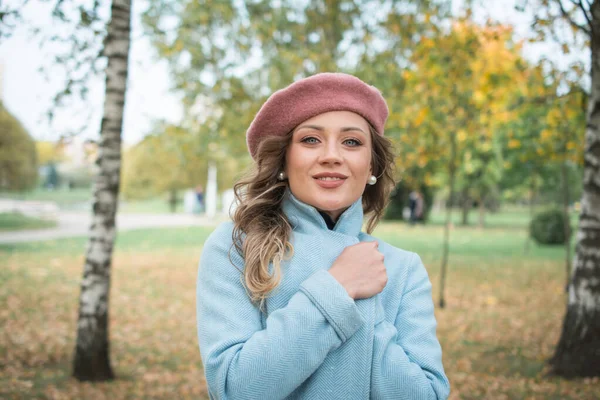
18, 158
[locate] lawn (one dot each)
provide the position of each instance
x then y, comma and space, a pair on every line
16, 221
79, 199
502, 320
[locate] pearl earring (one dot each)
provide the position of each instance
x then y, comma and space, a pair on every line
372, 180
281, 176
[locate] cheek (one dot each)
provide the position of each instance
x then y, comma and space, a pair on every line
294, 160
362, 166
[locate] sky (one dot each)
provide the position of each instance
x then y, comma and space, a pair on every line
27, 94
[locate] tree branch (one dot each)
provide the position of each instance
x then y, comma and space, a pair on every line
579, 3
567, 16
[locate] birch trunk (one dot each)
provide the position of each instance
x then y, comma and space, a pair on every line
578, 350
92, 361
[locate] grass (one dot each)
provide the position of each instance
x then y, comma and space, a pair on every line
79, 199
63, 197
503, 316
16, 221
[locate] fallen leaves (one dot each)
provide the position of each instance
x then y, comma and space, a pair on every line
501, 324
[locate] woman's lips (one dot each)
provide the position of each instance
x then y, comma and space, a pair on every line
329, 182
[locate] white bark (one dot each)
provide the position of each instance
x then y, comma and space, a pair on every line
578, 351
92, 348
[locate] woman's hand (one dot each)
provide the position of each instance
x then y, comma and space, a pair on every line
360, 270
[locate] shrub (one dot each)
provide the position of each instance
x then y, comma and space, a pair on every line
548, 227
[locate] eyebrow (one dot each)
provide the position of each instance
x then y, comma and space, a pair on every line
320, 128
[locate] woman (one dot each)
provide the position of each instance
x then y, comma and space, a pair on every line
294, 301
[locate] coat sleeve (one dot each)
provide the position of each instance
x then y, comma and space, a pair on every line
407, 357
243, 360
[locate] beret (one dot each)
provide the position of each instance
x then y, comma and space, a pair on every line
287, 108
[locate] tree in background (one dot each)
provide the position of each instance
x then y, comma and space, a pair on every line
456, 97
18, 158
87, 46
92, 356
578, 351
172, 160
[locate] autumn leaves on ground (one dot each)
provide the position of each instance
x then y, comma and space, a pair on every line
502, 321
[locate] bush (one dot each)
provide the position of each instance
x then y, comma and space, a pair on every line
548, 227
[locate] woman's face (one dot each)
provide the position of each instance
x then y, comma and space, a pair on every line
328, 161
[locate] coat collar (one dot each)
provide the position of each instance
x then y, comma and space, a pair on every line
304, 217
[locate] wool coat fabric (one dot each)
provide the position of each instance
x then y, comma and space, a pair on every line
312, 340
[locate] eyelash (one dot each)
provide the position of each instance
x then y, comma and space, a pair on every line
308, 138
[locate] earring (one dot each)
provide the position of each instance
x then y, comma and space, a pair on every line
281, 176
372, 180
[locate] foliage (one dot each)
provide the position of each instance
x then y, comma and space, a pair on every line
227, 57
170, 160
457, 89
547, 133
548, 227
18, 160
49, 152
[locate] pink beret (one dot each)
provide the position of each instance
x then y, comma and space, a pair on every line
315, 95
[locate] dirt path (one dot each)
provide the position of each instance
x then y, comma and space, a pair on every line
71, 224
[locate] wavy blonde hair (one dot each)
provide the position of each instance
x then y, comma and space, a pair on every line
261, 233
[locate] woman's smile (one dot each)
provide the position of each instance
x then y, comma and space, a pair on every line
328, 180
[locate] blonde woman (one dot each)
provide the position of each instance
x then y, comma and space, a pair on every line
294, 301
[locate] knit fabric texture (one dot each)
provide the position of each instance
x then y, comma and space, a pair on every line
312, 340
309, 97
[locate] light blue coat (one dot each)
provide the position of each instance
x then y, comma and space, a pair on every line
314, 341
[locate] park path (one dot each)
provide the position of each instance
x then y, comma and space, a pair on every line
72, 224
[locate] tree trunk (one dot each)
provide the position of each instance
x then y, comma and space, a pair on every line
482, 212
173, 200
531, 212
91, 361
466, 207
578, 350
446, 250
567, 227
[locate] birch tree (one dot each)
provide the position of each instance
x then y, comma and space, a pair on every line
87, 46
92, 361
578, 349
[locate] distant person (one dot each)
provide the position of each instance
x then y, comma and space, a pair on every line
413, 199
200, 198
293, 300
419, 207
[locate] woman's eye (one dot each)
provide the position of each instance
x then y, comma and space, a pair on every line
352, 142
310, 140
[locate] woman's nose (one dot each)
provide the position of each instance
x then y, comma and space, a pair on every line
331, 153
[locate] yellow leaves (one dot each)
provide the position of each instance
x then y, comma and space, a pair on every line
514, 144
491, 301
178, 45
48, 152
422, 160
461, 135
479, 97
421, 116
545, 134
554, 117
571, 145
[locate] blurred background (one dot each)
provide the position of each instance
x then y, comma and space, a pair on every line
487, 103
